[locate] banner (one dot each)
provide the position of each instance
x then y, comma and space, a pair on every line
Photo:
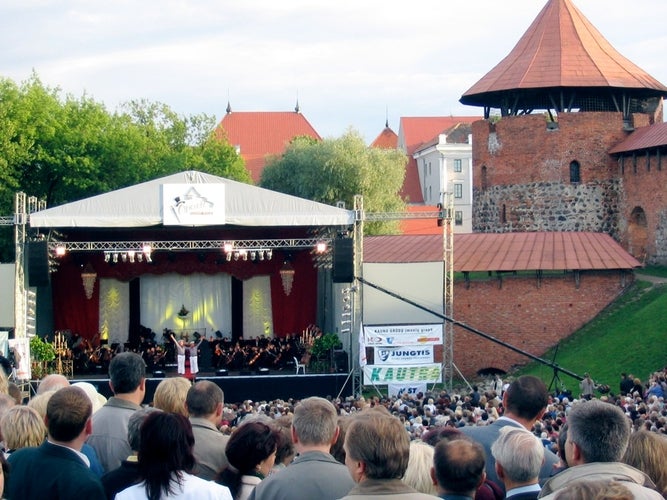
400, 374
401, 335
407, 355
193, 204
21, 357
411, 390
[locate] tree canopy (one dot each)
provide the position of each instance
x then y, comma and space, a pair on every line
62, 149
337, 169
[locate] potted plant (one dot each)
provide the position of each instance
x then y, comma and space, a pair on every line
41, 354
322, 351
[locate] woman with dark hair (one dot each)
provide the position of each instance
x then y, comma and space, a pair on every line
251, 453
165, 463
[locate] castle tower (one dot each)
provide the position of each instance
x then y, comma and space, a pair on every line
563, 98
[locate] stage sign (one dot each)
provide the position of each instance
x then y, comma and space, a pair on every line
401, 335
21, 357
398, 390
374, 374
193, 204
407, 355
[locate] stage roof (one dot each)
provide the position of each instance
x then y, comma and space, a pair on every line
142, 206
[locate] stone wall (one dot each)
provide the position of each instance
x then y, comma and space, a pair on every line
526, 316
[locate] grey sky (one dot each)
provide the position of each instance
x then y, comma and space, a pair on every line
349, 62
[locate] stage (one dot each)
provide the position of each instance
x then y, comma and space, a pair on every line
239, 387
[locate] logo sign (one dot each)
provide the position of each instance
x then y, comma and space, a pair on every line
399, 335
408, 355
193, 204
411, 390
428, 374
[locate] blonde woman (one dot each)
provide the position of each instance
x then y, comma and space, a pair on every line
170, 395
22, 427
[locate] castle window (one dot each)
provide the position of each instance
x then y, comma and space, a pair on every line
457, 165
575, 174
458, 190
458, 218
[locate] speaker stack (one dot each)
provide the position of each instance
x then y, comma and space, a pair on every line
343, 260
38, 263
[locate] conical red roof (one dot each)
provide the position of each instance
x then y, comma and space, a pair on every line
561, 48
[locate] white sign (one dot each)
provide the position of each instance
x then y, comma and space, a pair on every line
400, 335
21, 357
407, 355
411, 390
401, 374
193, 204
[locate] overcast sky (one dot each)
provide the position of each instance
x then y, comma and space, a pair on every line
350, 62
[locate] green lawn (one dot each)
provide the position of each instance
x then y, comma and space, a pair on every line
629, 336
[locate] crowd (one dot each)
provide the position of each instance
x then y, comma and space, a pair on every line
497, 440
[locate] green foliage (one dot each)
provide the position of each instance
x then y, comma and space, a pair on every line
323, 345
40, 350
629, 336
62, 149
335, 170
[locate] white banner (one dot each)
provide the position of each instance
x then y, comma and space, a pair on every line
400, 335
401, 374
21, 357
408, 355
410, 389
193, 204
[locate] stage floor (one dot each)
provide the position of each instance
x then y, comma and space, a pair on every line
241, 386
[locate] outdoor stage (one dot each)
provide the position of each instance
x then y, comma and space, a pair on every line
255, 386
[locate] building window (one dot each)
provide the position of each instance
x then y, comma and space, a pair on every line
458, 190
458, 166
575, 175
458, 218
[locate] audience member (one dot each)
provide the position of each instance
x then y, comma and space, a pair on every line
57, 468
285, 452
587, 387
314, 473
128, 473
338, 448
170, 395
418, 473
458, 468
22, 427
127, 373
204, 402
601, 489
52, 382
251, 453
647, 451
518, 455
96, 399
166, 460
377, 450
14, 391
525, 401
597, 437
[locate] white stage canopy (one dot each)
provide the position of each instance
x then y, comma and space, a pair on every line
224, 201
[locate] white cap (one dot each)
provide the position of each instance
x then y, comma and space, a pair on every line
95, 397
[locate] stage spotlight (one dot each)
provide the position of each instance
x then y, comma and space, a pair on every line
269, 254
253, 255
124, 256
236, 255
140, 257
228, 257
130, 256
261, 255
244, 253
60, 250
321, 247
115, 257
148, 257
227, 247
107, 256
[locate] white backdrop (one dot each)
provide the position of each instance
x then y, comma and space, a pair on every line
257, 312
206, 297
114, 310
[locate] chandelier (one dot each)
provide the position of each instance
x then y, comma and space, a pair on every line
287, 276
88, 277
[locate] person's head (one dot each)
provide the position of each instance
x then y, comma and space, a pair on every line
170, 395
68, 414
127, 373
285, 448
14, 391
95, 397
562, 438
165, 452
519, 455
52, 382
647, 451
134, 426
418, 473
377, 446
22, 427
599, 489
526, 398
204, 399
458, 466
315, 422
338, 448
597, 432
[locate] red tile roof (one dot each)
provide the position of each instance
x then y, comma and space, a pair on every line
506, 251
387, 139
263, 133
415, 131
561, 48
643, 138
420, 226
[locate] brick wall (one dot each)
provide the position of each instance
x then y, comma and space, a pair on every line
525, 316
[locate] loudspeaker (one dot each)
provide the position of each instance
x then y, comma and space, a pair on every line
340, 361
221, 372
343, 260
159, 374
38, 263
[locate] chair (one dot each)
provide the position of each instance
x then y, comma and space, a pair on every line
299, 366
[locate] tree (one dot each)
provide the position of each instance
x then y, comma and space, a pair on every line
337, 169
